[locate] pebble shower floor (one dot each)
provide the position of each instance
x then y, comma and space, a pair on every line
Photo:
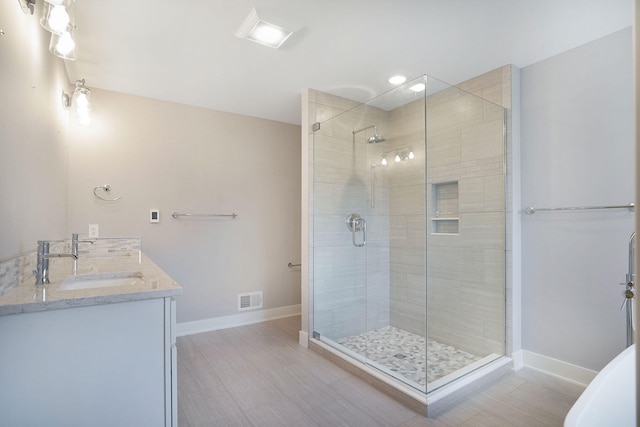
404, 353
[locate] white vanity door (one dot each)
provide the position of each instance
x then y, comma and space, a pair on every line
171, 367
101, 365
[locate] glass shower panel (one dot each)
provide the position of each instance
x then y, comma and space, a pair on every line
369, 279
401, 345
466, 233
339, 190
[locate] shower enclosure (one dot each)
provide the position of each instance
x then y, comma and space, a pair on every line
407, 240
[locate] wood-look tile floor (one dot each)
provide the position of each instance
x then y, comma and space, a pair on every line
258, 375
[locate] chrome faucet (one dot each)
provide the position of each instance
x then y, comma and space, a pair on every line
42, 268
74, 250
74, 244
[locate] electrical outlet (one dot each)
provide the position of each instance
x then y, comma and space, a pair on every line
94, 230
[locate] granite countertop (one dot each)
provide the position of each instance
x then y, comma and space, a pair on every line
29, 297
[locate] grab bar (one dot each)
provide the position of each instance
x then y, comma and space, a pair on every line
177, 215
531, 210
293, 265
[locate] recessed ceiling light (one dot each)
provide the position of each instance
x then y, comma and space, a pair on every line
397, 80
418, 87
259, 31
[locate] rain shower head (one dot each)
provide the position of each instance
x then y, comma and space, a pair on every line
375, 139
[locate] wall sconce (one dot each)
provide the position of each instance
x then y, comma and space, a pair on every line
63, 46
66, 100
28, 6
80, 98
56, 16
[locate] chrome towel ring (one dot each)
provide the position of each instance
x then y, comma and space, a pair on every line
105, 188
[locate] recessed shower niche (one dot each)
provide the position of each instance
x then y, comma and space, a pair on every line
444, 218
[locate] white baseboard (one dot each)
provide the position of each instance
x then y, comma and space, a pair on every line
303, 339
518, 362
558, 368
242, 319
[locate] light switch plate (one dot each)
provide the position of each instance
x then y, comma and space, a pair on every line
94, 231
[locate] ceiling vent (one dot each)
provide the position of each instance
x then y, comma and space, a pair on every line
259, 31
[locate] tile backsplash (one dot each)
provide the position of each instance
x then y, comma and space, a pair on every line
10, 272
111, 246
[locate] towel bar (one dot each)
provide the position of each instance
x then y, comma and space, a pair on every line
177, 215
531, 210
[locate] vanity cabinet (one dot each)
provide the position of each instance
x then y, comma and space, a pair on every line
99, 365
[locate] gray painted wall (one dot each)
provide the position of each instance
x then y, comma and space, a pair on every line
172, 157
33, 126
577, 150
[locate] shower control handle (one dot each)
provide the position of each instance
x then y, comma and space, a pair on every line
356, 224
628, 295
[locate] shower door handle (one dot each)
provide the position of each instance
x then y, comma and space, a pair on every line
356, 224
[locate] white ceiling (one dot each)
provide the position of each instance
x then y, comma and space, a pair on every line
186, 51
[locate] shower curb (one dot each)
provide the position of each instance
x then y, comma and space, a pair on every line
431, 405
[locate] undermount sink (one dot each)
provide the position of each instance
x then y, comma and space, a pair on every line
101, 280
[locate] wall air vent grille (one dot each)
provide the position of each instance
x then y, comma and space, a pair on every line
249, 301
